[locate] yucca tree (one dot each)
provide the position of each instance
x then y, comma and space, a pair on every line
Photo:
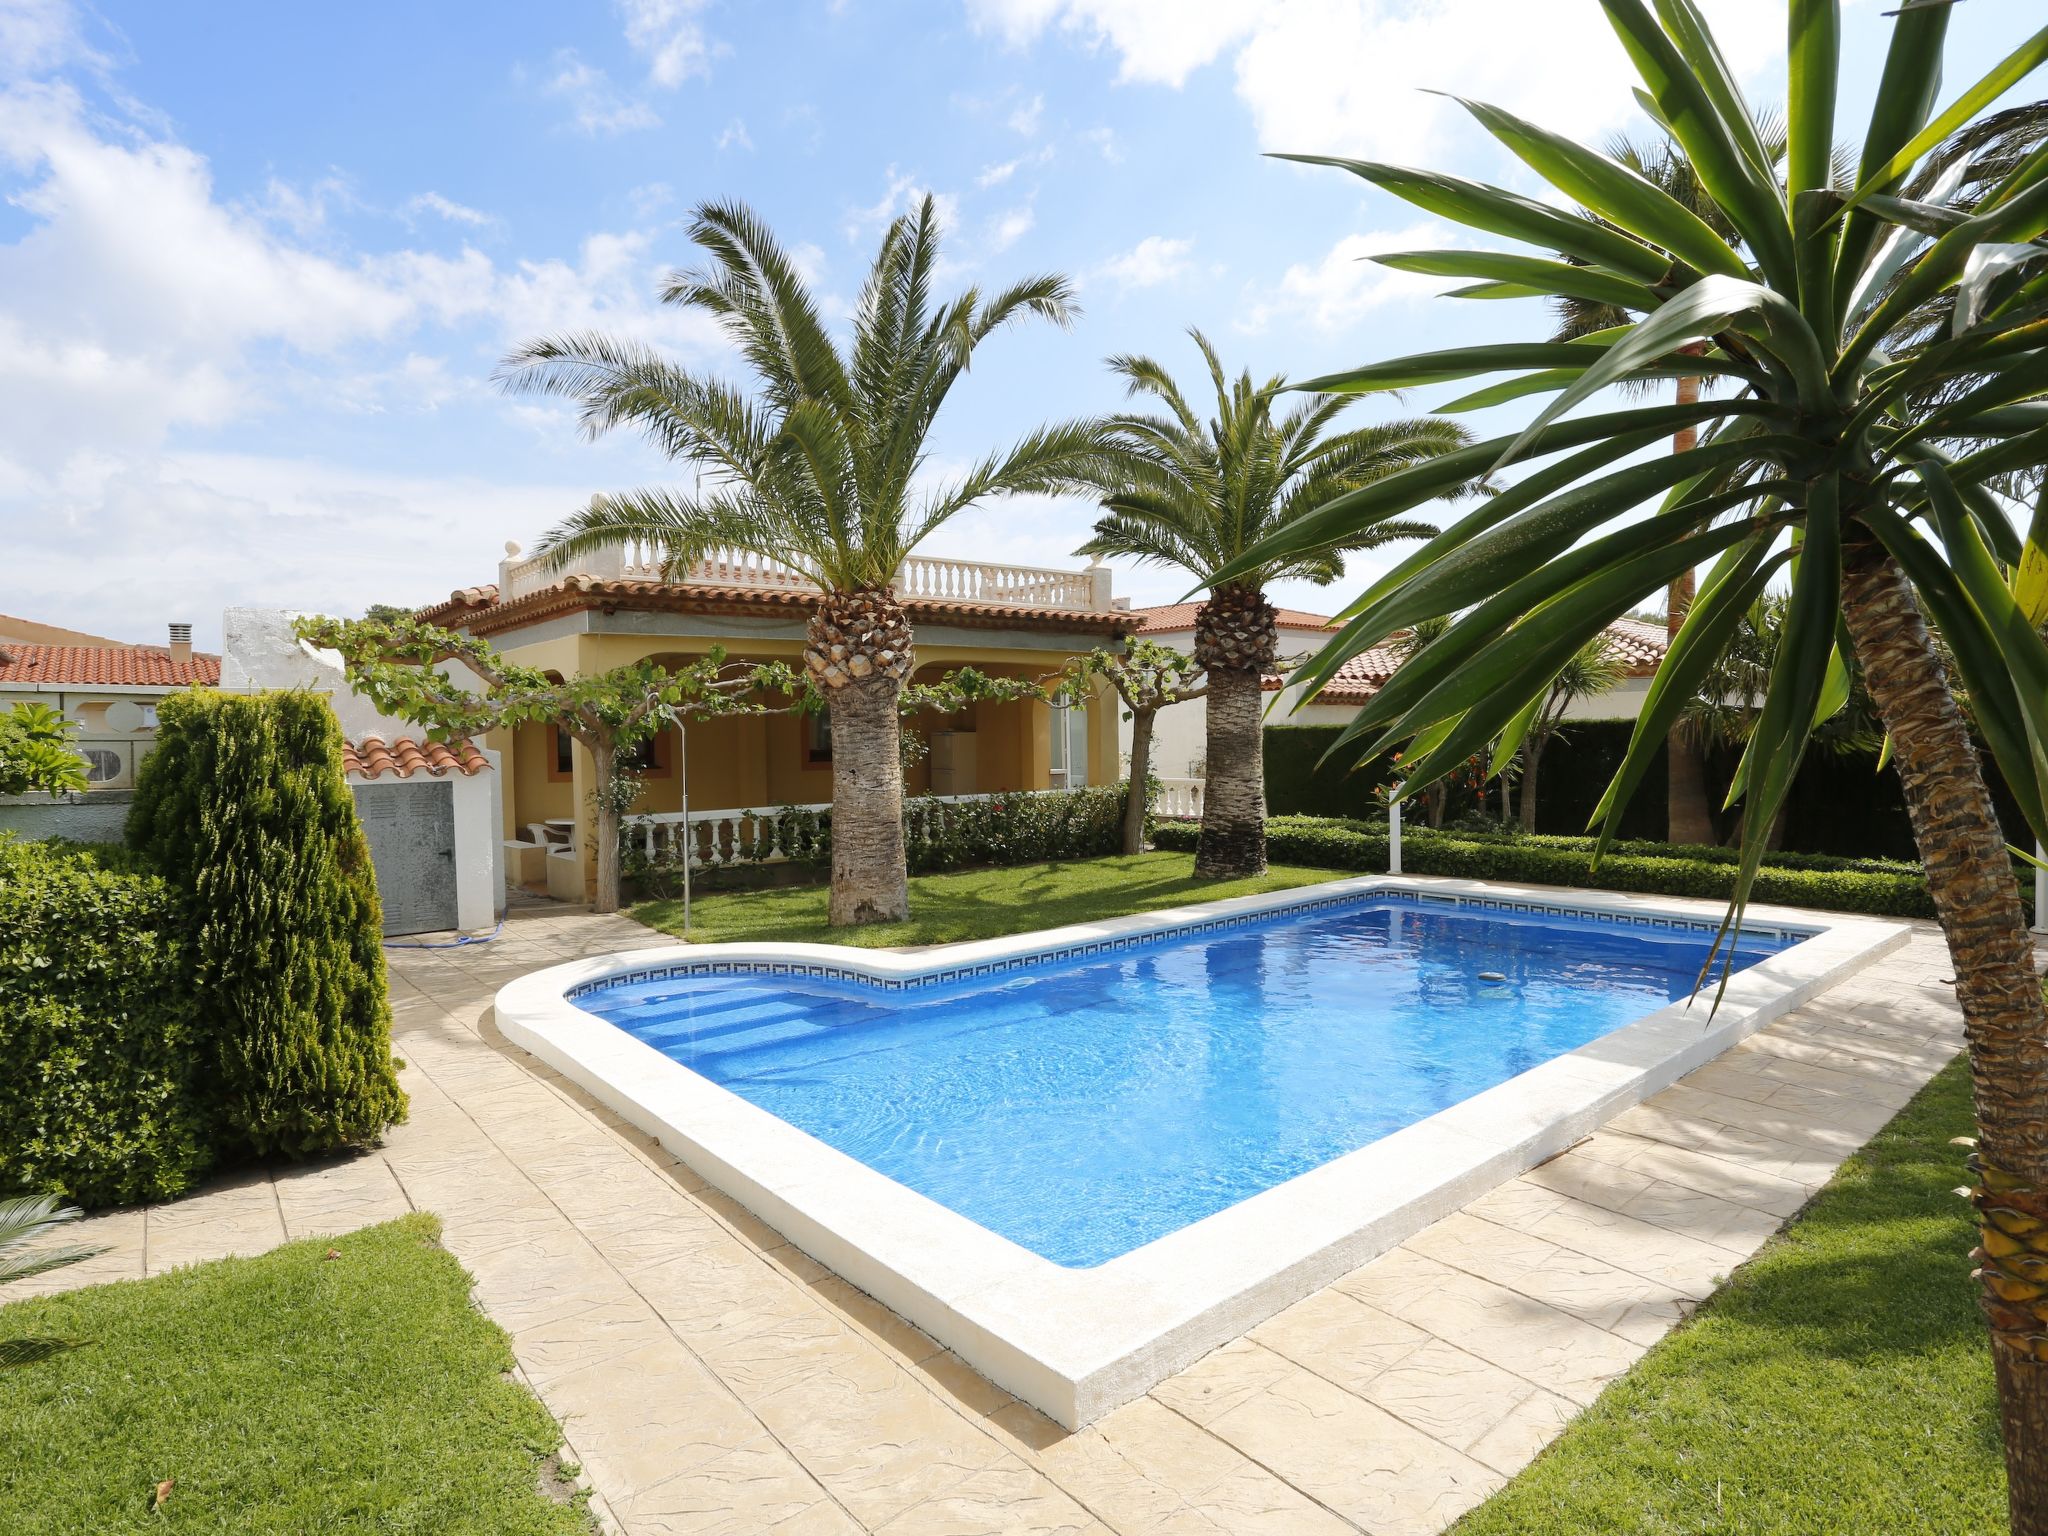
817, 468
1195, 495
1861, 468
1661, 162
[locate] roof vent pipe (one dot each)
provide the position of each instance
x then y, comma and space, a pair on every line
181, 642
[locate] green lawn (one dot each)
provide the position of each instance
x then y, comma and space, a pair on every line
285, 1395
972, 904
1841, 1383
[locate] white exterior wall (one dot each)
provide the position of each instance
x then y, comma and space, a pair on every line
1180, 731
260, 651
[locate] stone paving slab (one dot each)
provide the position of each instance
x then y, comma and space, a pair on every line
712, 1378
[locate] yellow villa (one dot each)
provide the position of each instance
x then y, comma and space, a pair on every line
617, 608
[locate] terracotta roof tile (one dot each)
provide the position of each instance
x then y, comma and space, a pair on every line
373, 757
133, 666
1640, 644
1175, 616
582, 592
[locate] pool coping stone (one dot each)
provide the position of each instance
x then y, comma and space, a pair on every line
1076, 1343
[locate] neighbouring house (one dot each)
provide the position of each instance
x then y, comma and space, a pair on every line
112, 689
618, 608
429, 809
1180, 731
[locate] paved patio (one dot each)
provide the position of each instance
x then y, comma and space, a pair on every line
711, 1378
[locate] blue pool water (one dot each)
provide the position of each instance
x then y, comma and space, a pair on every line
1084, 1107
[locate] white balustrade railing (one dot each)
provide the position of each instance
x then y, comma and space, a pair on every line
1179, 799
767, 836
921, 576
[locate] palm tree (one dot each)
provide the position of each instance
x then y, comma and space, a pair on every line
819, 470
1593, 669
1193, 494
1859, 460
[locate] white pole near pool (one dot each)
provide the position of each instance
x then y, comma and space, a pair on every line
2040, 893
1394, 833
689, 848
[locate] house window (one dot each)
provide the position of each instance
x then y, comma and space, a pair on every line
651, 759
817, 738
1069, 757
149, 717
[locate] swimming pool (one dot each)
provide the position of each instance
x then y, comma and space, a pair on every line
1083, 1106
1081, 1197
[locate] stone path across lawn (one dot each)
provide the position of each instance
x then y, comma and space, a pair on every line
712, 1378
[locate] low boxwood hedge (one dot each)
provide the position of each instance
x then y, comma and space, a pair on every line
99, 1100
1880, 887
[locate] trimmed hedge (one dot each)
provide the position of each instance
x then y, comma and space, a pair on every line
1873, 886
99, 1102
244, 807
1839, 805
1023, 828
1299, 783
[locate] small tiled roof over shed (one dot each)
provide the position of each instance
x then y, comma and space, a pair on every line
372, 757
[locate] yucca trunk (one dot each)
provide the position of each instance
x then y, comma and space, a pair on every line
858, 652
604, 756
1138, 780
1976, 897
1688, 814
1236, 640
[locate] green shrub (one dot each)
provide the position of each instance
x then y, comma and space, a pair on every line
99, 1101
938, 834
244, 807
1013, 829
1874, 886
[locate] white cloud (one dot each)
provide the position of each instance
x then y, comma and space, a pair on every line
735, 136
649, 199
1160, 41
1006, 229
1344, 286
123, 545
1346, 75
1025, 119
110, 344
995, 175
596, 106
905, 191
449, 209
668, 34
1153, 260
38, 35
1104, 141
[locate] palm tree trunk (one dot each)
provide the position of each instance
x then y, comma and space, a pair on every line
1532, 759
1688, 818
604, 755
858, 654
870, 881
1236, 640
1138, 783
1689, 815
1233, 838
1977, 900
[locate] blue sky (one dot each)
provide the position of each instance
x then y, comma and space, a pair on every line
257, 260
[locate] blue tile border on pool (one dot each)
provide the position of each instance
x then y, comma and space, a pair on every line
1090, 947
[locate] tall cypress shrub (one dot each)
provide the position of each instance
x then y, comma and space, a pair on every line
244, 807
